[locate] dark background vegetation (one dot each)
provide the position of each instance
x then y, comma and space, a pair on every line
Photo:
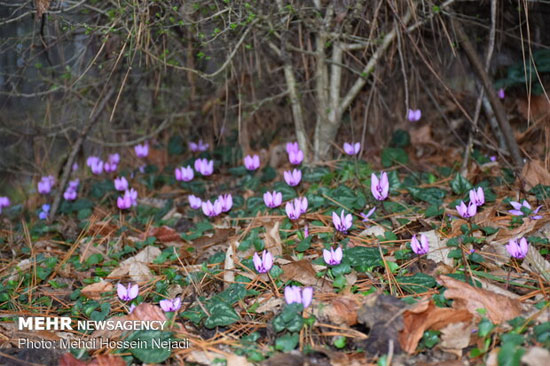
259, 73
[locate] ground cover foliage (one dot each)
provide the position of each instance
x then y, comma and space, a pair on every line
462, 299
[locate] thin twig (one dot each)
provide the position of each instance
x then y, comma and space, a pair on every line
94, 117
500, 114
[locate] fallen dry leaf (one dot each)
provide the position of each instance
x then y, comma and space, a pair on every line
229, 266
438, 248
220, 236
422, 135
382, 314
147, 312
136, 266
272, 238
505, 234
95, 290
536, 356
164, 234
300, 271
499, 308
456, 336
271, 305
535, 173
341, 310
425, 316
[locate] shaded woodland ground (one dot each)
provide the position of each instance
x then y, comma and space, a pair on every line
282, 183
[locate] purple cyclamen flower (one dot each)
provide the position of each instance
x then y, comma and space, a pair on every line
292, 147
493, 158
212, 210
380, 187
70, 194
518, 249
91, 160
124, 202
501, 93
296, 157
306, 231
368, 214
333, 257
121, 184
343, 222
96, 166
252, 162
477, 196
302, 202
75, 167
535, 212
74, 183
127, 293
142, 150
352, 149
133, 196
273, 199
414, 115
295, 294
131, 309
194, 202
128, 200
204, 166
420, 247
226, 201
4, 202
45, 185
517, 207
184, 173
293, 178
170, 305
466, 211
264, 264
109, 167
197, 147
43, 215
518, 212
114, 158
293, 209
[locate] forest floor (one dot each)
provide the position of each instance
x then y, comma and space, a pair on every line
467, 301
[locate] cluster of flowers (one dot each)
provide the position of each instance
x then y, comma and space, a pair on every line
186, 174
517, 248
223, 203
71, 191
295, 155
295, 208
98, 166
477, 198
46, 184
130, 292
127, 200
